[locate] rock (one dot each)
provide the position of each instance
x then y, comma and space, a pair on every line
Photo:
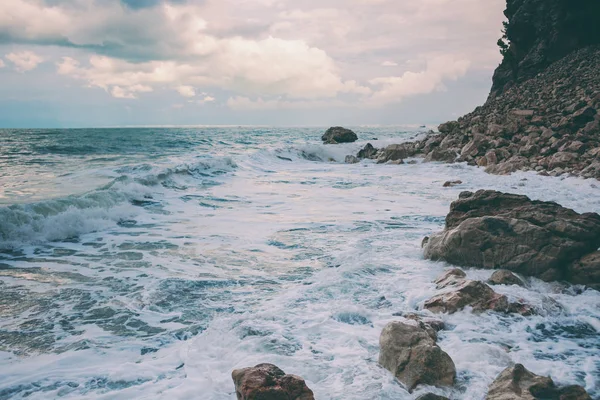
431, 396
395, 152
351, 160
449, 127
338, 134
411, 354
468, 293
586, 271
509, 166
367, 152
495, 230
438, 154
450, 278
452, 183
517, 383
505, 277
268, 382
562, 160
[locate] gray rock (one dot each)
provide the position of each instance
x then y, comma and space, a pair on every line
412, 355
367, 152
268, 382
431, 396
586, 271
338, 134
351, 160
467, 293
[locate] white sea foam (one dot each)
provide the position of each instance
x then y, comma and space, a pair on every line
300, 263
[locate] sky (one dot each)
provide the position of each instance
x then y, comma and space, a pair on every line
97, 63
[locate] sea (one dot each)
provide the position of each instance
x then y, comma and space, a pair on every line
148, 263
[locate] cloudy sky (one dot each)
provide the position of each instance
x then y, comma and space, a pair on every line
79, 63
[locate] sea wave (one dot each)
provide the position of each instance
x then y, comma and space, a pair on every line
103, 208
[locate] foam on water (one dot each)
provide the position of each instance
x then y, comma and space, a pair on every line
257, 258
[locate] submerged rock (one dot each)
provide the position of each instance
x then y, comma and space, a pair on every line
493, 230
517, 383
460, 292
411, 354
452, 183
338, 134
431, 396
468, 293
268, 382
351, 160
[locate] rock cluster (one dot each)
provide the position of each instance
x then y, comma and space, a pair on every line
337, 134
493, 230
517, 383
268, 382
410, 352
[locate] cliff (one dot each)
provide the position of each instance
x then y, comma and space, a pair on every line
541, 32
542, 112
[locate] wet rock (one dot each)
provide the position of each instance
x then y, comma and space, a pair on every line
338, 134
517, 383
450, 278
509, 166
351, 160
467, 293
452, 183
494, 230
268, 382
412, 355
368, 151
505, 277
395, 152
431, 396
441, 155
586, 271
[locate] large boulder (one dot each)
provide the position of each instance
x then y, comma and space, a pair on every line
494, 230
268, 382
517, 383
337, 134
411, 354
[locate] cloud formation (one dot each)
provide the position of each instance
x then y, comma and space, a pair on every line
24, 60
262, 54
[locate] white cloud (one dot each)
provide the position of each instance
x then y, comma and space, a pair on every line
2, 65
439, 69
24, 60
281, 53
241, 103
186, 91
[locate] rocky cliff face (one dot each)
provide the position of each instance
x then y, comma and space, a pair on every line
541, 32
543, 113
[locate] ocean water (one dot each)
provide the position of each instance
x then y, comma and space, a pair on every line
149, 263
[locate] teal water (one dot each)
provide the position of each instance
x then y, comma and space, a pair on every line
150, 262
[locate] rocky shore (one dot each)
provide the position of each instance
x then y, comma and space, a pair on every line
543, 115
543, 111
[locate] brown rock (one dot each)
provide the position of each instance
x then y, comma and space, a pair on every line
268, 382
493, 230
411, 354
452, 183
586, 271
505, 277
517, 383
473, 294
